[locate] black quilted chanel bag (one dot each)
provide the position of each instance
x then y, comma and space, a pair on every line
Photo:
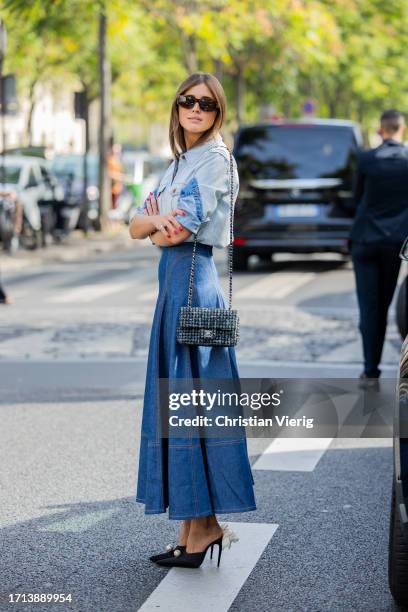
210, 326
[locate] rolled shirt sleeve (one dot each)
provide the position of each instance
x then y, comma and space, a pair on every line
200, 197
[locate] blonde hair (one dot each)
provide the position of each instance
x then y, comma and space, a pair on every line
176, 130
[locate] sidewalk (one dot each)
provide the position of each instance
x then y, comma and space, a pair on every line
76, 247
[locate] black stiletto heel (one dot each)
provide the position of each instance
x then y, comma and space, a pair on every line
212, 547
219, 553
192, 560
170, 553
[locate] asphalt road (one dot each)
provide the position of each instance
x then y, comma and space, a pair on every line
72, 366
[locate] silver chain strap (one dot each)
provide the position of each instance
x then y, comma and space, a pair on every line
230, 245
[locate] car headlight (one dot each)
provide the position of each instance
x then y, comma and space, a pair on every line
92, 192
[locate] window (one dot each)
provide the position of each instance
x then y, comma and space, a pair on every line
32, 181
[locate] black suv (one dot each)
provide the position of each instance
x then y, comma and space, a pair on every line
295, 187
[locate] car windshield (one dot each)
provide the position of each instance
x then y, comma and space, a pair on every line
63, 166
298, 151
9, 174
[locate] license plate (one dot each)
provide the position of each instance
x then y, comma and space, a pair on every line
298, 210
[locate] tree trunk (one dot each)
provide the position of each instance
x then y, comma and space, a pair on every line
218, 69
104, 123
31, 97
240, 93
190, 52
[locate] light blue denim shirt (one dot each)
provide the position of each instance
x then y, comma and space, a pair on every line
201, 187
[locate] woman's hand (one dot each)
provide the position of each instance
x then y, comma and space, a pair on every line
167, 224
152, 205
163, 223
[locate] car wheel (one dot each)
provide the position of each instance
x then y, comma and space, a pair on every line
397, 556
401, 311
239, 260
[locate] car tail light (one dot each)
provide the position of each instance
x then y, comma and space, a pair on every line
239, 241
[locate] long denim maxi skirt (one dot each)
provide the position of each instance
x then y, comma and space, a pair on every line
199, 476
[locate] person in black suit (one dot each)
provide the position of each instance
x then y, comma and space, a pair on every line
379, 229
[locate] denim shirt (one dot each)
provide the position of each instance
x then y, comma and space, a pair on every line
201, 188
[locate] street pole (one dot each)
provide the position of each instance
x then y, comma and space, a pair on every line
104, 121
3, 44
85, 201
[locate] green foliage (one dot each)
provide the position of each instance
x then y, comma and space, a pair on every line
350, 55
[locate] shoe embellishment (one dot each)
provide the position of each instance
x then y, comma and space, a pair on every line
177, 552
229, 536
169, 547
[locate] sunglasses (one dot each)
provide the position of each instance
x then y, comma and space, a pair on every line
205, 103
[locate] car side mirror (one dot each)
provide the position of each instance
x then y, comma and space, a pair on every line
404, 250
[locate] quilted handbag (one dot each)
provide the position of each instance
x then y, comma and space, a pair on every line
204, 326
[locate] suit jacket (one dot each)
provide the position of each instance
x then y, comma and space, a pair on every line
381, 194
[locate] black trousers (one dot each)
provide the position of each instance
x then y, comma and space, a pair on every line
376, 268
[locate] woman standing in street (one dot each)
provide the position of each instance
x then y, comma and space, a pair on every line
205, 477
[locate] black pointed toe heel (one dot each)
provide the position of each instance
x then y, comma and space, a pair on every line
170, 553
192, 560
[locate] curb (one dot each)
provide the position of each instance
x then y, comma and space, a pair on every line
76, 248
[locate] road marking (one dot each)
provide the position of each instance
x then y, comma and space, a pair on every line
87, 293
276, 285
209, 587
149, 294
302, 454
79, 523
292, 454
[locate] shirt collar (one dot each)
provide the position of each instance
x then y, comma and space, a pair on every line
391, 141
195, 152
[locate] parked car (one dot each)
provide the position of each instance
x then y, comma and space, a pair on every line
28, 180
295, 187
398, 535
8, 222
58, 219
69, 170
24, 180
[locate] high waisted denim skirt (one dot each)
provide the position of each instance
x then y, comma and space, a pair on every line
198, 476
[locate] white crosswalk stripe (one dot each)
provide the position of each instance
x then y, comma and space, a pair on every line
292, 454
302, 454
148, 294
87, 293
275, 286
211, 587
